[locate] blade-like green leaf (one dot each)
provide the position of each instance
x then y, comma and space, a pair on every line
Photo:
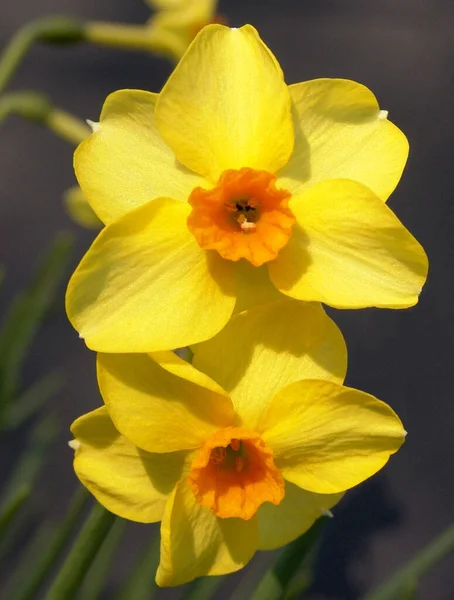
404, 583
96, 577
71, 575
276, 582
204, 588
44, 551
11, 507
32, 459
34, 398
25, 315
140, 585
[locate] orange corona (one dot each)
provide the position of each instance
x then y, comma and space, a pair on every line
234, 473
244, 216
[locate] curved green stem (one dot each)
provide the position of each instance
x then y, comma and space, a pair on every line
403, 583
81, 555
34, 106
67, 126
135, 37
58, 30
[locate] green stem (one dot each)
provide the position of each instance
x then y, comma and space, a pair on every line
32, 459
36, 107
404, 581
81, 555
29, 105
204, 588
135, 37
277, 580
54, 29
140, 584
67, 127
11, 508
96, 577
44, 551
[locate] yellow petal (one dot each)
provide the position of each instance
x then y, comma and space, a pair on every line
341, 133
281, 524
166, 4
125, 162
126, 480
156, 410
253, 286
226, 105
194, 542
145, 284
349, 250
263, 349
328, 438
79, 210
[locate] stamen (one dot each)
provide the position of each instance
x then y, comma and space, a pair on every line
218, 455
239, 464
235, 444
243, 216
233, 474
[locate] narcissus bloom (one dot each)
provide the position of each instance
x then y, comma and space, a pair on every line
79, 210
238, 452
169, 32
229, 181
177, 22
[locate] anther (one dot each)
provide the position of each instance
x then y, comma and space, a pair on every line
218, 455
235, 445
239, 464
244, 223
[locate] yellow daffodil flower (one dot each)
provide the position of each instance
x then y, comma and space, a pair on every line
177, 22
168, 32
228, 171
239, 452
79, 210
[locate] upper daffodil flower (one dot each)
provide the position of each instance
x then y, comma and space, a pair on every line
229, 166
241, 451
177, 22
169, 32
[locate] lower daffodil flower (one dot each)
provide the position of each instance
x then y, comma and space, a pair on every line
229, 165
234, 469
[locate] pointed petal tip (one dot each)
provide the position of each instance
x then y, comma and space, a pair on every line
94, 125
74, 444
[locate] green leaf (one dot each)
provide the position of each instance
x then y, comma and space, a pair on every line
44, 551
277, 581
82, 554
94, 581
54, 29
32, 459
140, 585
11, 507
25, 316
204, 588
34, 398
403, 584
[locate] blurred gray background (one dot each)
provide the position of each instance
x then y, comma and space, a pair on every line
403, 50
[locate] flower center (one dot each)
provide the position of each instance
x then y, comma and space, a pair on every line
244, 216
234, 473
